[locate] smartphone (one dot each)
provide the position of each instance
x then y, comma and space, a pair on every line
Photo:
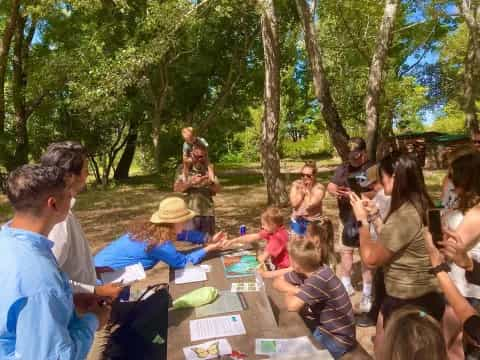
354, 185
435, 225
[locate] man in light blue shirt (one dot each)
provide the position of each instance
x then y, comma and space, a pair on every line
38, 318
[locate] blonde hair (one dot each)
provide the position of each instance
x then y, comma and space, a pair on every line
413, 334
189, 129
150, 233
272, 215
306, 254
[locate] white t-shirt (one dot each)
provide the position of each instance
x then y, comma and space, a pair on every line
450, 197
453, 220
73, 253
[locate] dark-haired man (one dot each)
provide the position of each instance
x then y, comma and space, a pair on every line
339, 186
38, 319
70, 245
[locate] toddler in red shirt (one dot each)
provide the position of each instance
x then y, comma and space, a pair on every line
274, 233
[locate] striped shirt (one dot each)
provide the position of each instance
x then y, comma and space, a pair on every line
328, 305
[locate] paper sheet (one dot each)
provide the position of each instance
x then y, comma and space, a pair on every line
126, 276
208, 350
189, 275
294, 346
215, 327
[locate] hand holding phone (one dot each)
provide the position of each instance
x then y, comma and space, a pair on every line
435, 226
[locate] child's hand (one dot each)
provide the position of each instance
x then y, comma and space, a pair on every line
218, 237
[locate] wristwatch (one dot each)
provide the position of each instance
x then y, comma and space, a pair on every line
361, 223
439, 268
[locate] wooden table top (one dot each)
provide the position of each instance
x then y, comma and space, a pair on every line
265, 317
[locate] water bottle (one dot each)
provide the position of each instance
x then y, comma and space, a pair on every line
243, 230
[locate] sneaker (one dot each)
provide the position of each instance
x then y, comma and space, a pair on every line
350, 289
365, 304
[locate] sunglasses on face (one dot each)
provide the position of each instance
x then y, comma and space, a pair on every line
309, 176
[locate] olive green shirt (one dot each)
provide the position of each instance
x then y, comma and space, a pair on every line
199, 198
406, 275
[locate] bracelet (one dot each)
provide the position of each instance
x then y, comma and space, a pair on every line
439, 268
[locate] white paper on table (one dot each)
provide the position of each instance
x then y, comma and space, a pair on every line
190, 274
293, 346
206, 267
126, 276
209, 350
215, 327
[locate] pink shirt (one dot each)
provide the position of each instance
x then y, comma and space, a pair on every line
277, 246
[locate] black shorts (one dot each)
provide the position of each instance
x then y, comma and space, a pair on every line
432, 303
350, 234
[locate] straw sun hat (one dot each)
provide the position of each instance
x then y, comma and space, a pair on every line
172, 210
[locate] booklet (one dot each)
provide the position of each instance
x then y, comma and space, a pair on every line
190, 274
125, 276
215, 327
209, 350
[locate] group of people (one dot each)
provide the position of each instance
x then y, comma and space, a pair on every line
421, 295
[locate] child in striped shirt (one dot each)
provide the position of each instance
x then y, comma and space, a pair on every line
314, 289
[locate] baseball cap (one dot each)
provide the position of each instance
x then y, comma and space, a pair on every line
356, 146
372, 174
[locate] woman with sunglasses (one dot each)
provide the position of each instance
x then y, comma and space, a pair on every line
400, 248
306, 197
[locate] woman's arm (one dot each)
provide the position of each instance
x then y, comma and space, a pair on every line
373, 253
459, 304
296, 195
167, 253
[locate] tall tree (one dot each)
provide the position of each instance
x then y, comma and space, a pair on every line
271, 117
375, 83
4, 50
337, 132
471, 13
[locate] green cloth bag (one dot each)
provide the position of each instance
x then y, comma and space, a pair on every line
196, 298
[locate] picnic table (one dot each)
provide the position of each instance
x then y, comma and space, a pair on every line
265, 316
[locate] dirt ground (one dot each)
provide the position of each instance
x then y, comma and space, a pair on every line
104, 214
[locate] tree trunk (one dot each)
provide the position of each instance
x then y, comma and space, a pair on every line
338, 134
271, 117
159, 86
4, 50
18, 92
123, 167
469, 93
375, 83
471, 14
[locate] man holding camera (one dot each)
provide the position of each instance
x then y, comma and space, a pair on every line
351, 176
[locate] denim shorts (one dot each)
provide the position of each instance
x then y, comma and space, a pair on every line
299, 226
334, 348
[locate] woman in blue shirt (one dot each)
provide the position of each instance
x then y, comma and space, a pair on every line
149, 242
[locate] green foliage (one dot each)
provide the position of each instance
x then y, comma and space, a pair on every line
452, 120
